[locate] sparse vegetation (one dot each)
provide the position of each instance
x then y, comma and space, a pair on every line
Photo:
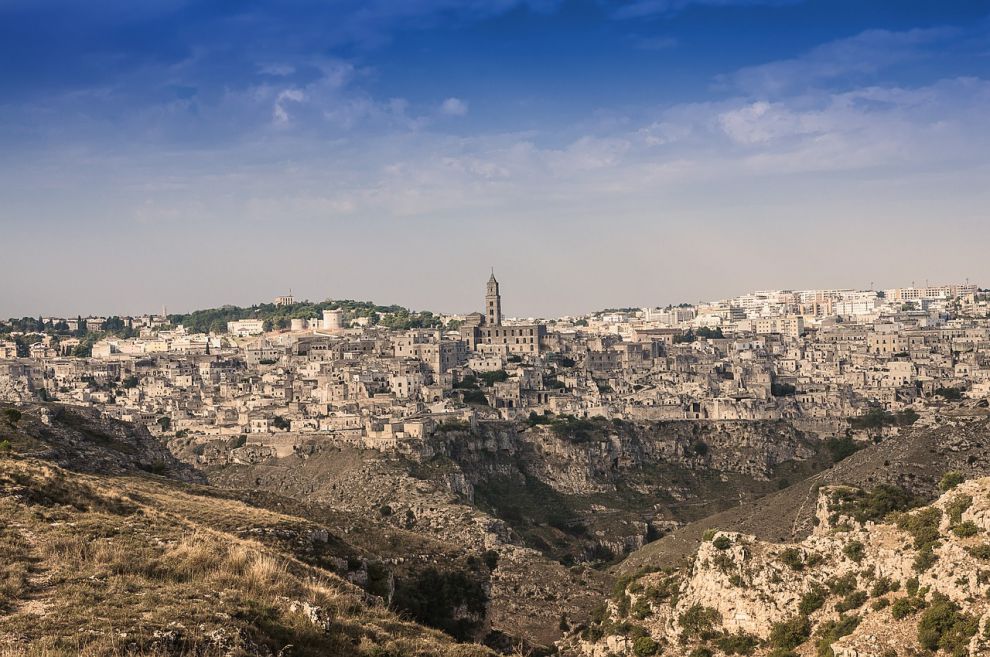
958, 506
923, 527
739, 643
854, 550
950, 480
842, 448
944, 627
12, 415
883, 586
904, 607
645, 646
842, 585
793, 558
791, 633
966, 529
812, 600
146, 566
831, 631
876, 505
949, 394
699, 622
854, 600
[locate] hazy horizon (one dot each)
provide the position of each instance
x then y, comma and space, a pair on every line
597, 153
478, 306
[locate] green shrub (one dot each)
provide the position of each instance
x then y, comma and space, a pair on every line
842, 585
723, 561
792, 558
812, 600
883, 585
790, 633
981, 551
944, 627
881, 501
699, 621
599, 614
622, 606
880, 603
904, 607
13, 415
831, 631
950, 394
737, 644
666, 589
854, 550
709, 535
950, 480
923, 527
842, 448
645, 646
957, 506
854, 600
966, 529
722, 542
641, 610
925, 559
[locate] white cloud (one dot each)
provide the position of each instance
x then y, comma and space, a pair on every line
762, 122
280, 116
866, 53
454, 107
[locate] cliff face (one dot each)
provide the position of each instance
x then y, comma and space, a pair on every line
873, 579
554, 502
599, 457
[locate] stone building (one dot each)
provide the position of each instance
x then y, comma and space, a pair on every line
486, 333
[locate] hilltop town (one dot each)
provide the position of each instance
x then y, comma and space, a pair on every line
552, 451
385, 377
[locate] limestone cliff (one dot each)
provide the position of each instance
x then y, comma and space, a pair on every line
875, 578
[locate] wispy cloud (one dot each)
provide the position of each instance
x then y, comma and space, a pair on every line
633, 9
280, 115
454, 107
864, 54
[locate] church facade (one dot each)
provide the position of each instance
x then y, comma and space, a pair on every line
484, 332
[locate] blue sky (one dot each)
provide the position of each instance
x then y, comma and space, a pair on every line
596, 152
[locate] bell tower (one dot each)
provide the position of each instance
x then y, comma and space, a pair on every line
493, 302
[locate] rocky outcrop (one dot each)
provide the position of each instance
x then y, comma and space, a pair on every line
587, 457
83, 440
871, 578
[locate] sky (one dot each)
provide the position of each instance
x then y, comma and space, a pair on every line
596, 153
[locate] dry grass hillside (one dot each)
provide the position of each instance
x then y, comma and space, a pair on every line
133, 563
